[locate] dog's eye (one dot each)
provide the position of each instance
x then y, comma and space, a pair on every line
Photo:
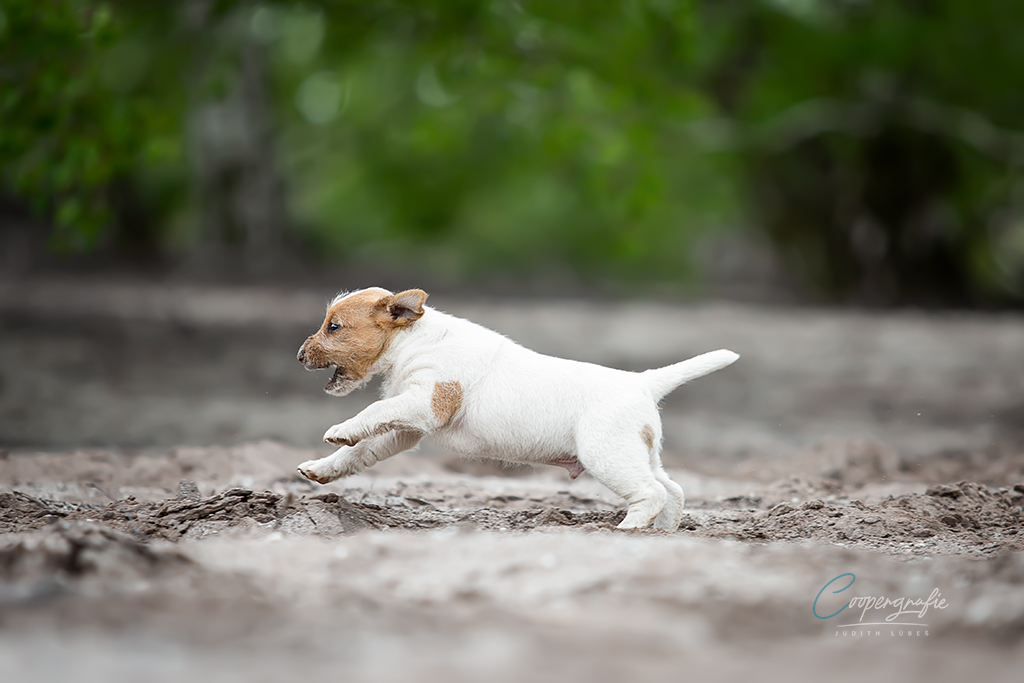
333, 327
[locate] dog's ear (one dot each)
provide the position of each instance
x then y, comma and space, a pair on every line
406, 307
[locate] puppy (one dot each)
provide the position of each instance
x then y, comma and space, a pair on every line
482, 395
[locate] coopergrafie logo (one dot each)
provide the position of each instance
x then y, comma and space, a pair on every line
894, 622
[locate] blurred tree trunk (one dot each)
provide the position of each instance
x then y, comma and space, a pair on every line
238, 185
261, 191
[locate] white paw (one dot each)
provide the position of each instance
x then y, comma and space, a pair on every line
339, 436
630, 525
314, 470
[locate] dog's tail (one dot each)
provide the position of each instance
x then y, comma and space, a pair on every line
663, 380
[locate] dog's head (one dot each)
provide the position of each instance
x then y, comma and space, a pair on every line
356, 332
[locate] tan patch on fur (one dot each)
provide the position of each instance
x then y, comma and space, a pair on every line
647, 434
446, 401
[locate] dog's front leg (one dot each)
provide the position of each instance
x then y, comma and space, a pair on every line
408, 412
349, 460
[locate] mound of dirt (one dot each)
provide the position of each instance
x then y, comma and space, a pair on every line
72, 551
325, 515
948, 519
965, 517
20, 511
329, 514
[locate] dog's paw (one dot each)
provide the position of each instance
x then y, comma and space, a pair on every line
338, 436
310, 470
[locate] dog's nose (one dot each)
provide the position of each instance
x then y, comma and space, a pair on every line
302, 354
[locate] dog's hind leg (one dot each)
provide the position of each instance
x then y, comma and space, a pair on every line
622, 462
672, 514
349, 460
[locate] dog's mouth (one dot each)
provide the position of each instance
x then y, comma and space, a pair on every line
336, 379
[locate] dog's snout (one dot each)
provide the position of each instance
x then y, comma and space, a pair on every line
301, 356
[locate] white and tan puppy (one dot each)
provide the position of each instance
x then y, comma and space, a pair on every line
484, 396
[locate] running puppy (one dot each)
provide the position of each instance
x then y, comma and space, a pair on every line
484, 396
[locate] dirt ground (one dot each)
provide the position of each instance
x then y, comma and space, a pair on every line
152, 527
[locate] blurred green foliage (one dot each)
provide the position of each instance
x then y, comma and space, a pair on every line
485, 135
76, 128
62, 139
881, 141
874, 142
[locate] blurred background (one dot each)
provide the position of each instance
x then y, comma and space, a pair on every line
852, 151
184, 185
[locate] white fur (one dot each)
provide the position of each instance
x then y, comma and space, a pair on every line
519, 406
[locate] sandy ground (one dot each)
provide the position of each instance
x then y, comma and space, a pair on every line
151, 526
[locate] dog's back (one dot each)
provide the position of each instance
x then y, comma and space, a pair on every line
523, 406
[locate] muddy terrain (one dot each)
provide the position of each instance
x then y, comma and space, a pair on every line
152, 526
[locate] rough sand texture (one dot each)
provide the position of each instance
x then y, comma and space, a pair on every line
889, 447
